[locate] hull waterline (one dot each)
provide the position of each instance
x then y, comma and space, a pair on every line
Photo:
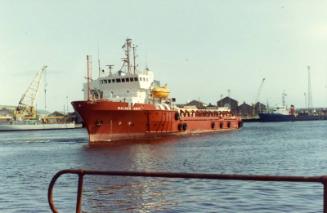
108, 121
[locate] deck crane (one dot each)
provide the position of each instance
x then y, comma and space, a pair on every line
26, 106
258, 94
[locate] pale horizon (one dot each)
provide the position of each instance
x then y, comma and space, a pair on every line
201, 49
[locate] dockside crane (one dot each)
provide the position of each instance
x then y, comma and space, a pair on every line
256, 100
26, 109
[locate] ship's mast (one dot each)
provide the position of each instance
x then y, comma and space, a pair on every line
99, 67
283, 98
89, 75
126, 60
134, 59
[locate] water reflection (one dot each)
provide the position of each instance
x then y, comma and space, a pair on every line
30, 159
124, 194
128, 193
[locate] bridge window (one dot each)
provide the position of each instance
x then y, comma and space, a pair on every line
135, 79
127, 79
132, 79
109, 81
113, 80
118, 80
105, 81
123, 79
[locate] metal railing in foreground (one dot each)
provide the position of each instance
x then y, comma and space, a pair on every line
82, 173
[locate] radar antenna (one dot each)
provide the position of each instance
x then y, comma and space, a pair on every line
110, 66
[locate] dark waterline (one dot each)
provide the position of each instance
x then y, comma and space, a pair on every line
30, 159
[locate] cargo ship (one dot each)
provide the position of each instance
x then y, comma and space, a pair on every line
281, 114
130, 105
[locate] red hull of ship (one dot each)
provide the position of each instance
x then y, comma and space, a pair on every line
108, 121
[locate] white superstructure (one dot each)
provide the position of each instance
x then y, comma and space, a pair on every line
282, 110
126, 85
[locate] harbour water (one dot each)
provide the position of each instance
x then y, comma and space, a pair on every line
28, 160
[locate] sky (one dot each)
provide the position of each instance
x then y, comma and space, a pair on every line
200, 48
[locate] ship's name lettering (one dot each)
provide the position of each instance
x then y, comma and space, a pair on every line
128, 108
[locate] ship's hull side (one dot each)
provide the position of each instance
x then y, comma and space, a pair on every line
113, 121
270, 117
28, 127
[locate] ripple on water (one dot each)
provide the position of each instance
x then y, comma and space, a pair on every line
30, 159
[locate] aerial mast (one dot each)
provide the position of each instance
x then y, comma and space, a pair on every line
309, 89
305, 100
45, 90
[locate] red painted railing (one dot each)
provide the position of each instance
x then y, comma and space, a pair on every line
82, 173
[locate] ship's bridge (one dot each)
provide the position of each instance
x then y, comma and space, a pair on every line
121, 86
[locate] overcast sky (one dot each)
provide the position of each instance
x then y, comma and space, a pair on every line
200, 48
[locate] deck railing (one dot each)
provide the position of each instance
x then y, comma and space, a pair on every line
82, 173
